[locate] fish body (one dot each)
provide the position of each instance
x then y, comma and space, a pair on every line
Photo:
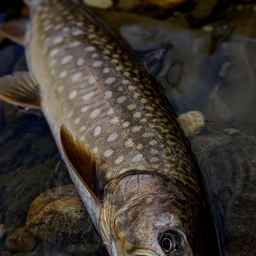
144, 190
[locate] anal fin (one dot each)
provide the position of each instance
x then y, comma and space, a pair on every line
20, 89
82, 161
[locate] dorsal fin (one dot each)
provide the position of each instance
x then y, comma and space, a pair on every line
81, 159
20, 89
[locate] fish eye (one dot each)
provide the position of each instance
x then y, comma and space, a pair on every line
171, 241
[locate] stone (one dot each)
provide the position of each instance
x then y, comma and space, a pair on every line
58, 216
192, 122
21, 240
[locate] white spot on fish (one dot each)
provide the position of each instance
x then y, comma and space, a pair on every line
119, 160
137, 158
84, 109
131, 107
95, 150
108, 94
112, 137
74, 44
89, 48
110, 111
77, 120
110, 80
97, 130
91, 80
136, 128
52, 63
153, 142
95, 55
61, 88
153, 159
108, 152
46, 28
66, 59
137, 115
95, 113
125, 82
78, 32
106, 70
126, 124
82, 128
66, 29
129, 143
143, 100
119, 68
80, 61
82, 138
139, 146
57, 27
63, 74
54, 52
131, 88
97, 64
121, 99
72, 94
88, 96
70, 114
114, 120
58, 40
76, 77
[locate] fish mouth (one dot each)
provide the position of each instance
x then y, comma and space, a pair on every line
144, 252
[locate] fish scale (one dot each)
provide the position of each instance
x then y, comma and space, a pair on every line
125, 152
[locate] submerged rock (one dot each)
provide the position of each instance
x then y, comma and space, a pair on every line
99, 3
21, 240
59, 216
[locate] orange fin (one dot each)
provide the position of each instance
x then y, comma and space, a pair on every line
15, 30
20, 89
81, 159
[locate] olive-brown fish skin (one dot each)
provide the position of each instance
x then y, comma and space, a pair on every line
151, 183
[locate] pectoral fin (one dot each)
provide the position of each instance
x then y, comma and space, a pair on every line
15, 30
20, 89
81, 159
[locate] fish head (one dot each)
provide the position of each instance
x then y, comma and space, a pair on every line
153, 223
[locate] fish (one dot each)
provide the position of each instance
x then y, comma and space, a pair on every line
126, 154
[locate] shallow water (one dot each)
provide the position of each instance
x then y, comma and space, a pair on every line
213, 72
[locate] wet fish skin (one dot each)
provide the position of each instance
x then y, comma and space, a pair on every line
152, 190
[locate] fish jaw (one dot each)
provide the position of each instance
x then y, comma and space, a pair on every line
135, 222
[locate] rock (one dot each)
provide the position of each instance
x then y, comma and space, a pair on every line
21, 240
2, 231
99, 3
192, 122
202, 11
58, 216
167, 4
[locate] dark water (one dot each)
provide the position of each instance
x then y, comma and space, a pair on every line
208, 69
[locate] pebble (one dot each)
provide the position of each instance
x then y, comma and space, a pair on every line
192, 122
207, 28
21, 240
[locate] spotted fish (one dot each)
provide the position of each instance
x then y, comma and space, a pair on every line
126, 154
